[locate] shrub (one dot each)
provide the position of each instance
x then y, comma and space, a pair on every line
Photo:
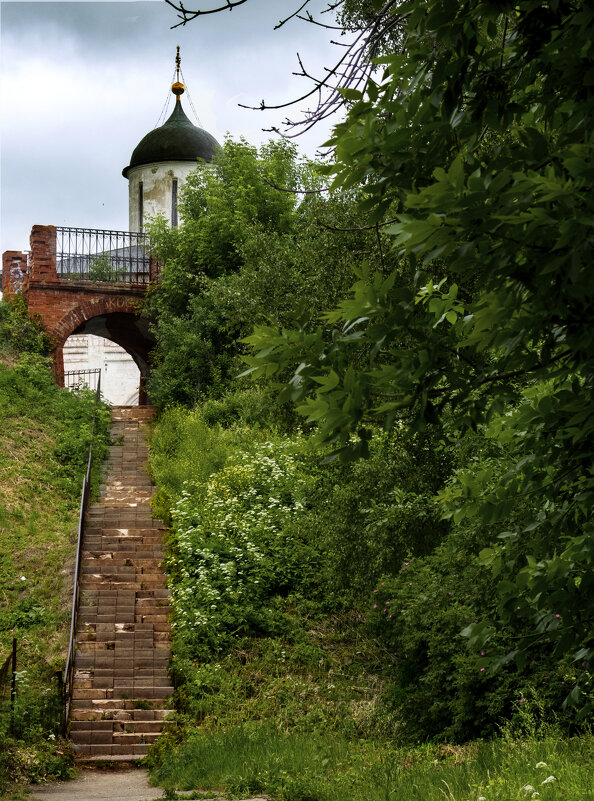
236, 544
442, 689
368, 515
19, 333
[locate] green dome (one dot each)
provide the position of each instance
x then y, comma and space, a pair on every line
175, 140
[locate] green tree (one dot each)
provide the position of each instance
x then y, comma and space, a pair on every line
219, 204
473, 143
246, 252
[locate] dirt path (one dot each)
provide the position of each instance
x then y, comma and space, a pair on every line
102, 785
93, 785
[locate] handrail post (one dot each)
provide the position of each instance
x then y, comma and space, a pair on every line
13, 683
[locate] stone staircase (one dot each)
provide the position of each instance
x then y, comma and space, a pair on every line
121, 679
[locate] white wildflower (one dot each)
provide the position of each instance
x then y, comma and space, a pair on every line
528, 788
541, 765
549, 779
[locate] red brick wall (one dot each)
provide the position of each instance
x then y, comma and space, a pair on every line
15, 277
62, 304
43, 253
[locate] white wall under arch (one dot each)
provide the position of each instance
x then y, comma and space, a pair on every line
120, 376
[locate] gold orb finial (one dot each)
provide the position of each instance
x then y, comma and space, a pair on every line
178, 88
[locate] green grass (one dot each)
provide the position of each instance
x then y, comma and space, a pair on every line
185, 448
43, 447
44, 440
321, 676
244, 761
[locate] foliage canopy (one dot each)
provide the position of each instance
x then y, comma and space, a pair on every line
473, 145
245, 253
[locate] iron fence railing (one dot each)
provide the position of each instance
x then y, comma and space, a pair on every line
75, 379
89, 254
84, 502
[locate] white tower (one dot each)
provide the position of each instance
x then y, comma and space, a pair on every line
162, 161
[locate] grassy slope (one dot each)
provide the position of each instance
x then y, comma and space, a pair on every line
298, 711
44, 435
37, 526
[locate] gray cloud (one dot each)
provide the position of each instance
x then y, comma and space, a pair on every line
82, 82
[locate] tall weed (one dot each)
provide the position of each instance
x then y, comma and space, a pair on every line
248, 760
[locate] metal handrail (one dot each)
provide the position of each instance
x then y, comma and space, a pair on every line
84, 502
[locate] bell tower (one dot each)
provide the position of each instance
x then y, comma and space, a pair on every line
162, 160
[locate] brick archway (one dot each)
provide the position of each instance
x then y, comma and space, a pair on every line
98, 306
113, 318
71, 303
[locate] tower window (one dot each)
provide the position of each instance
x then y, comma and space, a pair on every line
174, 203
140, 207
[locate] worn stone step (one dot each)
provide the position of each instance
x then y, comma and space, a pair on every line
129, 566
109, 709
125, 674
135, 719
120, 722
140, 553
152, 579
106, 751
113, 553
123, 693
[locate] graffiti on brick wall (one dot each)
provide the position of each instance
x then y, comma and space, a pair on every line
17, 275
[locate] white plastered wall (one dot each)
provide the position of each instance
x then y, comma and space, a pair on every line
119, 374
157, 185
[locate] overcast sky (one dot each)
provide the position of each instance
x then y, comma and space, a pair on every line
83, 82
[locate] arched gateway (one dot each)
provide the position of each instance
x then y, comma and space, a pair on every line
85, 281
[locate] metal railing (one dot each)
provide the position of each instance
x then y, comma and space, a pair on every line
75, 379
90, 254
84, 503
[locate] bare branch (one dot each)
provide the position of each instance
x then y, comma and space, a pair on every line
379, 244
351, 71
320, 84
291, 16
374, 227
314, 21
187, 16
